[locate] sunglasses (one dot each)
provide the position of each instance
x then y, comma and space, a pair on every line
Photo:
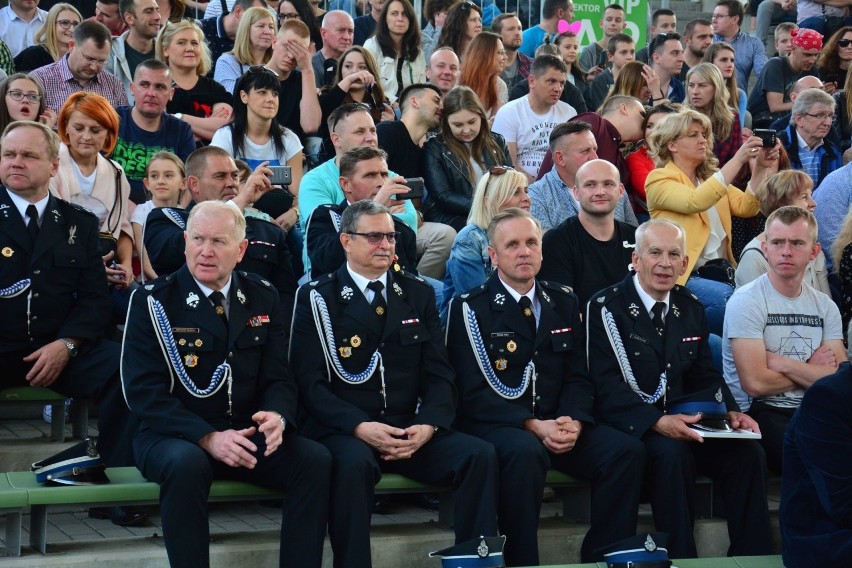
844, 42
377, 238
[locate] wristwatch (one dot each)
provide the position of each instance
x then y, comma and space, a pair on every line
72, 349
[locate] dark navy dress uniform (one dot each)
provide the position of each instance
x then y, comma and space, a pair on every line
562, 387
419, 388
816, 500
267, 254
67, 297
322, 239
683, 352
173, 419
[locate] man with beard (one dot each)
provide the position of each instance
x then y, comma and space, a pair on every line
136, 44
510, 30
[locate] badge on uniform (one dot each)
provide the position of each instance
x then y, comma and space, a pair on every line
198, 343
675, 311
482, 552
380, 310
257, 321
345, 351
634, 310
8, 252
397, 289
241, 297
501, 364
511, 346
355, 341
499, 299
192, 300
220, 310
181, 341
72, 235
190, 360
545, 296
346, 293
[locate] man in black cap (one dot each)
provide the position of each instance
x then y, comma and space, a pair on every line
647, 348
517, 346
378, 390
54, 297
205, 370
212, 174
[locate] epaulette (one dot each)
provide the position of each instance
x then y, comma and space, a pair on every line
556, 287
80, 208
411, 276
473, 292
252, 277
319, 280
159, 284
684, 292
607, 295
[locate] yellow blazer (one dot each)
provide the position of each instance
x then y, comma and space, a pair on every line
672, 195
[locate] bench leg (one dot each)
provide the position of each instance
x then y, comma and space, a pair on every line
13, 533
57, 423
80, 418
577, 504
445, 510
38, 528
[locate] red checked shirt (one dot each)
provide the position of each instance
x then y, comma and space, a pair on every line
59, 84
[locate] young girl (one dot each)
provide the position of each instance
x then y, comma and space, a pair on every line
165, 178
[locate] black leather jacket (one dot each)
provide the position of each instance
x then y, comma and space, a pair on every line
450, 191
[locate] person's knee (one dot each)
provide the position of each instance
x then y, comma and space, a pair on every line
188, 466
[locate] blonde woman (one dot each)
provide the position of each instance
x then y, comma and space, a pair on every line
706, 92
689, 188
722, 55
51, 40
200, 101
469, 264
252, 46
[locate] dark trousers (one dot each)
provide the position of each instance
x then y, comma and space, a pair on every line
185, 472
605, 457
737, 468
773, 426
93, 374
466, 463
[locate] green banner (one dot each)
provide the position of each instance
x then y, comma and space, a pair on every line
590, 12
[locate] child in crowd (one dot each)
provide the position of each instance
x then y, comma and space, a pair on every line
165, 179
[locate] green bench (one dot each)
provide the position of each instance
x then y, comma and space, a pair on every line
128, 487
732, 562
79, 409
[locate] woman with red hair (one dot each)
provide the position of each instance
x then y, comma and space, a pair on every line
88, 125
484, 61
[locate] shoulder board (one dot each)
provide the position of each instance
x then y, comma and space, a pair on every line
473, 292
556, 287
319, 281
411, 276
255, 219
252, 277
158, 284
79, 208
606, 295
684, 292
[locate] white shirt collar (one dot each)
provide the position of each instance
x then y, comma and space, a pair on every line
516, 296
647, 300
22, 205
362, 281
804, 145
226, 289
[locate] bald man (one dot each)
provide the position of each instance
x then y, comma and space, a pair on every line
338, 30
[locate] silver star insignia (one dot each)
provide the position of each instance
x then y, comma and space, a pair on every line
346, 293
241, 297
192, 300
397, 289
499, 299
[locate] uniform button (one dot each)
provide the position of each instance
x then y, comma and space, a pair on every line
564, 345
37, 271
415, 337
231, 354
256, 338
381, 344
538, 397
630, 428
35, 295
636, 354
382, 413
73, 260
34, 318
669, 366
536, 354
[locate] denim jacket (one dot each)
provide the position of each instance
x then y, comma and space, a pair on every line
468, 266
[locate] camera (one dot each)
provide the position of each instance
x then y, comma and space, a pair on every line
281, 175
416, 186
768, 137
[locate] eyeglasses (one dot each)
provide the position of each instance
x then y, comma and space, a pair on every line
20, 95
65, 24
377, 238
94, 61
844, 42
720, 16
284, 17
821, 117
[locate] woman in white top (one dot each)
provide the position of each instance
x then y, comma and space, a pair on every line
252, 46
255, 136
396, 47
88, 125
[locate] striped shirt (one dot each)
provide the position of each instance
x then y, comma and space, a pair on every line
810, 159
59, 84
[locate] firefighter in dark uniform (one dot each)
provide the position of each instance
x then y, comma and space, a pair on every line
648, 349
204, 368
518, 348
212, 174
363, 175
378, 390
53, 295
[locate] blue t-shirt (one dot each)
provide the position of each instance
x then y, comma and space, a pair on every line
532, 38
136, 146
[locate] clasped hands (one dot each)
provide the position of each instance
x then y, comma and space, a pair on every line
394, 443
234, 448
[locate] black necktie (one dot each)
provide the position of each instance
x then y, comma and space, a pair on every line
658, 320
529, 314
378, 303
32, 224
218, 299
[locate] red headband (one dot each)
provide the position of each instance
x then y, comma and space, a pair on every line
806, 39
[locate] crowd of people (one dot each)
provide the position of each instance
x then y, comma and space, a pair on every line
342, 241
